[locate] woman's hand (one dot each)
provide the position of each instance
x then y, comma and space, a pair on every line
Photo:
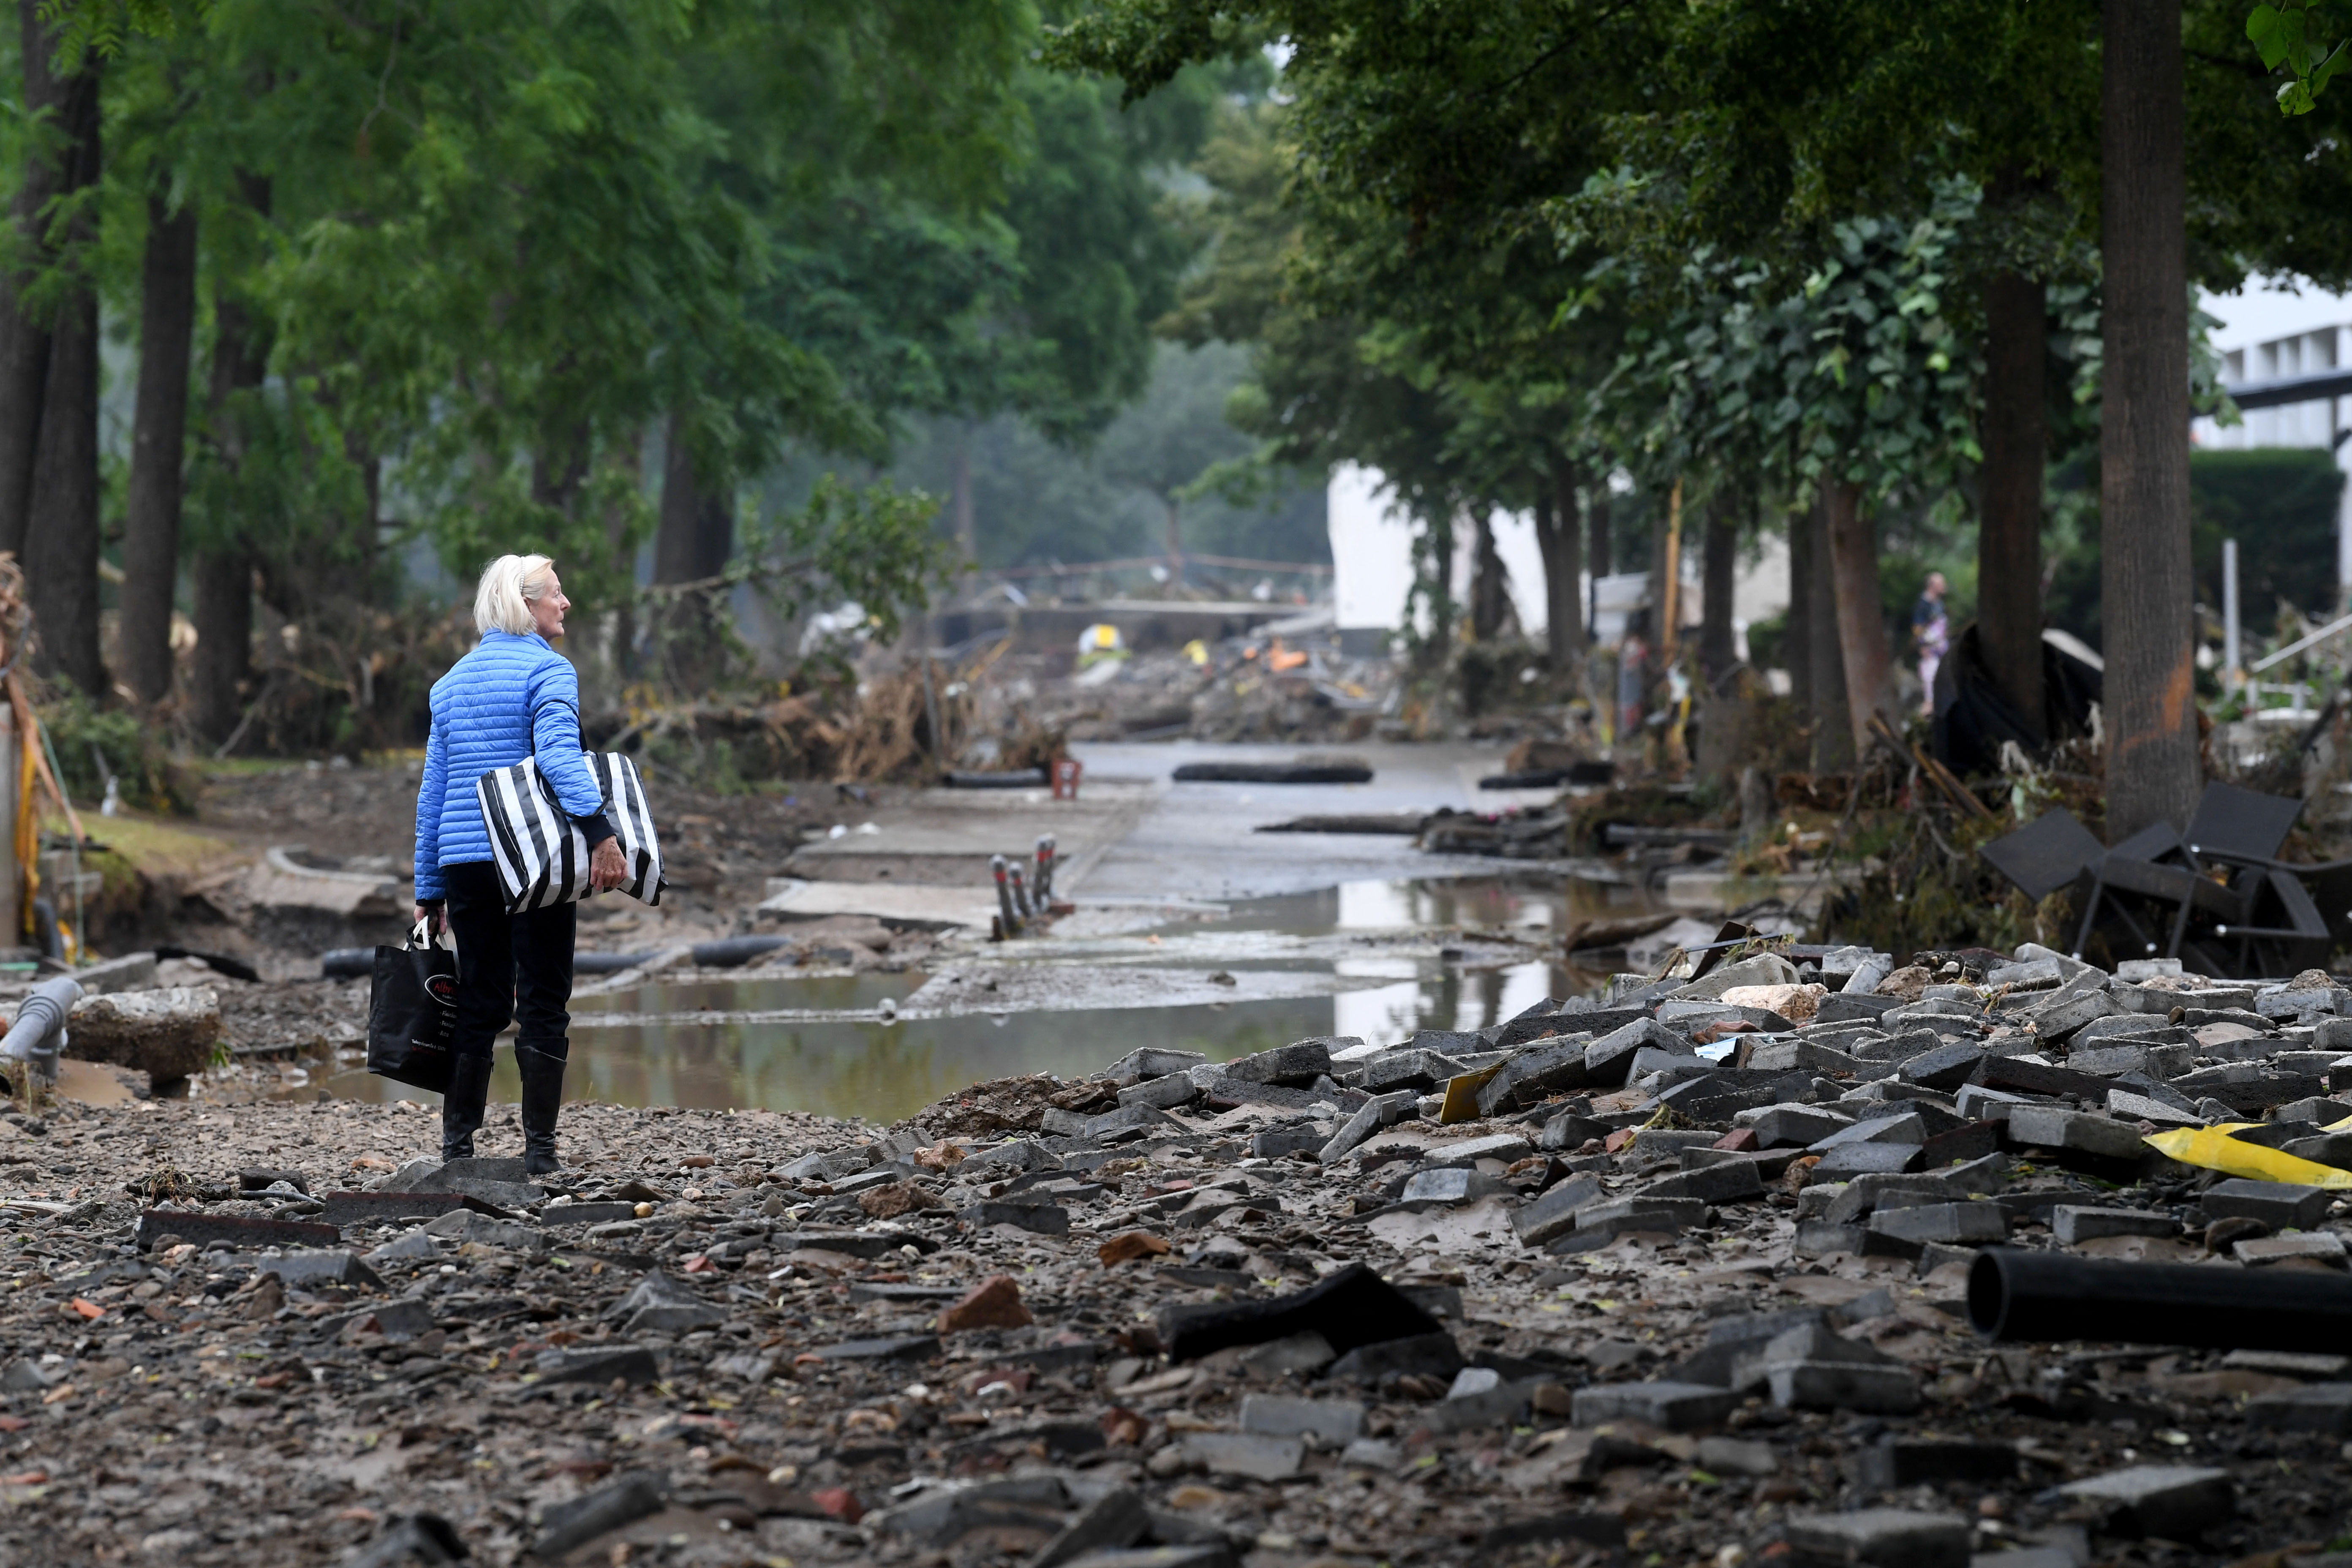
430, 916
606, 870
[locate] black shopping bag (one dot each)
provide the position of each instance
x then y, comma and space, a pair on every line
413, 1013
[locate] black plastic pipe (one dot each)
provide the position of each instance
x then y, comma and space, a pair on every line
731, 951
2017, 1294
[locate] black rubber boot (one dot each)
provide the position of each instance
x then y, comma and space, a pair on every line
542, 1096
461, 1106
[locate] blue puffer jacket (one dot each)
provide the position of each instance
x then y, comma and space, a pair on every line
511, 698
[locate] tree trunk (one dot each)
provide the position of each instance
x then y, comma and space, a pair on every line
222, 569
151, 539
697, 531
1718, 651
1599, 528
25, 334
624, 564
2009, 534
694, 537
222, 581
61, 522
2153, 773
1560, 536
1439, 586
1869, 662
1487, 593
1797, 639
1833, 730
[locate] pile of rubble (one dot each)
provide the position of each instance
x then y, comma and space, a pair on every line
1676, 1273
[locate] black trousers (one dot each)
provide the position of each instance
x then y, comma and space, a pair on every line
509, 967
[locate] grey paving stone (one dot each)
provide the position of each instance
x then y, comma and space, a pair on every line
1945, 1067
1797, 1126
1282, 1416
2281, 1205
1381, 1110
1615, 1216
1448, 1187
1670, 1406
1883, 1538
1728, 1182
1896, 1127
2074, 1223
1959, 1223
1553, 1213
1112, 1521
2173, 1501
2316, 1408
1294, 1065
1849, 1160
2318, 1245
2047, 1127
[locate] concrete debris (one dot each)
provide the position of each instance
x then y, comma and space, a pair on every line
1646, 1296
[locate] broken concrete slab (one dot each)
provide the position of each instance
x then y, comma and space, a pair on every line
1882, 1538
2074, 1223
2174, 1502
1669, 1406
2281, 1205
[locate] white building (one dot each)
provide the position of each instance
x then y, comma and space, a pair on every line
1371, 556
2286, 361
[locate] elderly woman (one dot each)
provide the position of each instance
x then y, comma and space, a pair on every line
513, 696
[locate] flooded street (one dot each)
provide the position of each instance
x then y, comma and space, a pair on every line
1376, 959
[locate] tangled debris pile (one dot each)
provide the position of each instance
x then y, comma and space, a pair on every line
1667, 1271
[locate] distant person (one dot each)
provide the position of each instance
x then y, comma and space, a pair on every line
1633, 677
1931, 633
513, 696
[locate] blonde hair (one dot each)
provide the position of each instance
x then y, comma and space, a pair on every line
510, 585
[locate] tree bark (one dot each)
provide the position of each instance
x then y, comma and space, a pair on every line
24, 333
1560, 536
2153, 772
1717, 651
61, 522
221, 571
1797, 640
222, 584
2008, 533
1863, 647
1487, 596
696, 531
150, 540
1833, 727
1599, 528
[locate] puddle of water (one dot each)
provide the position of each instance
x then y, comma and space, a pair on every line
883, 1072
816, 994
1472, 902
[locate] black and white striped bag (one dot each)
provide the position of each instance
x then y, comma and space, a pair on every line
543, 855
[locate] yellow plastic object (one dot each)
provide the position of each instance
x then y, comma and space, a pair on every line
1197, 651
1462, 1095
2212, 1149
